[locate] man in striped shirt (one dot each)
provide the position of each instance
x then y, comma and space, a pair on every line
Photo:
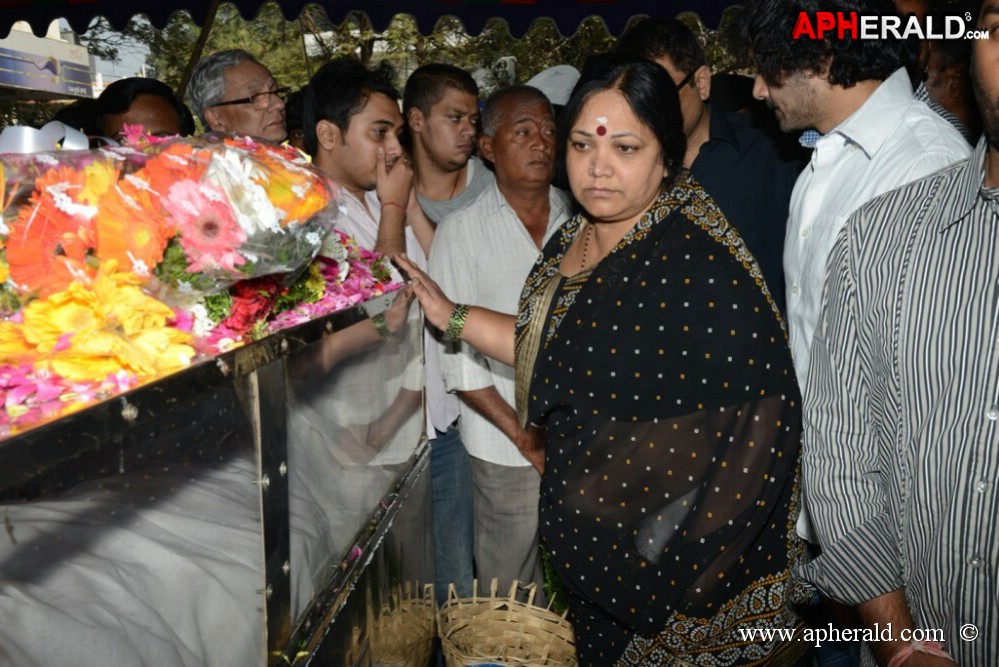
901, 445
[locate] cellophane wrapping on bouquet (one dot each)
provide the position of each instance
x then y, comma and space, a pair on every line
117, 264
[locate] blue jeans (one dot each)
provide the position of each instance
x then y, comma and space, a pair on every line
452, 512
832, 654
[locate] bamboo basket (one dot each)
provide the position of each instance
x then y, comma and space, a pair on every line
504, 630
402, 634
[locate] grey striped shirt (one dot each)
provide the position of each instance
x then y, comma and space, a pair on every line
901, 447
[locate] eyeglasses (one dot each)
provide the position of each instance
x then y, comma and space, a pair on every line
260, 101
685, 80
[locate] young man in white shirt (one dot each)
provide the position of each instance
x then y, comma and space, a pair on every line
874, 137
352, 127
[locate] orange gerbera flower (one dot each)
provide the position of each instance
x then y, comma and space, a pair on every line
174, 162
131, 228
74, 179
294, 189
47, 246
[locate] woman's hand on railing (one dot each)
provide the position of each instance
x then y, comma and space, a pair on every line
436, 306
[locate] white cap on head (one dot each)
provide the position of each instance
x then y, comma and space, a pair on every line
556, 82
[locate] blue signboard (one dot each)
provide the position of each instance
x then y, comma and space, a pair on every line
48, 73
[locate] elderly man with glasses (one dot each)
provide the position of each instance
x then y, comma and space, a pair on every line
232, 92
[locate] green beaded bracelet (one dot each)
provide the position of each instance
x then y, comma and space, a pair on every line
456, 323
381, 326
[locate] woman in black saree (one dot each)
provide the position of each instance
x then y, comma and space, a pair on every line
654, 365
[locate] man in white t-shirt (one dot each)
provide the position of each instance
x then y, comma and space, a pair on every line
441, 108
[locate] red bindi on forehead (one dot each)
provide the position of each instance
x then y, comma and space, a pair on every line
601, 130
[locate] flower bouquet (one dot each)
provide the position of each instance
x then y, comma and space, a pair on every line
107, 257
186, 215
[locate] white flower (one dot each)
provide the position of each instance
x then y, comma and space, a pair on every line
138, 183
254, 211
115, 154
184, 287
202, 325
333, 248
65, 204
139, 267
312, 238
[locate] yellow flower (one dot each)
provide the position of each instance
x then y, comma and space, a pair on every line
168, 348
83, 367
88, 332
4, 268
100, 176
74, 311
14, 349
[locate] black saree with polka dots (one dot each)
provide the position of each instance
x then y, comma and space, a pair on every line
664, 382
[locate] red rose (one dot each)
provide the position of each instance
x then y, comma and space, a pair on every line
252, 302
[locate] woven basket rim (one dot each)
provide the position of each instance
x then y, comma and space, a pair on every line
505, 630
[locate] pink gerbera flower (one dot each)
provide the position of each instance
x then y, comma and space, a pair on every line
209, 233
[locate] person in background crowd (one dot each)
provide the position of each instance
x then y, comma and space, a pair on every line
232, 92
737, 164
441, 107
901, 448
482, 254
945, 83
293, 119
654, 376
146, 102
557, 83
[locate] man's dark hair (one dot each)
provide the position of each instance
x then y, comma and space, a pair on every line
293, 110
429, 83
768, 26
953, 52
491, 109
338, 92
659, 36
118, 97
649, 91
80, 115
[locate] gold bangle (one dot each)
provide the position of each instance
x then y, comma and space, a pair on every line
456, 323
381, 326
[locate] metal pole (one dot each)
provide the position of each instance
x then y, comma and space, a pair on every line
199, 46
